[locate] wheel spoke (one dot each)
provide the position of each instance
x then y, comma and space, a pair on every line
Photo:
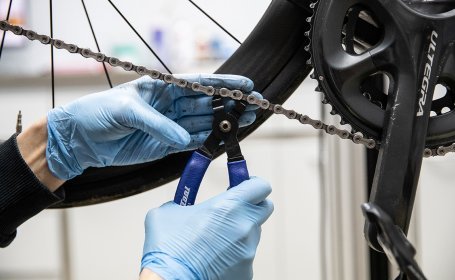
4, 33
214, 21
96, 42
52, 53
139, 35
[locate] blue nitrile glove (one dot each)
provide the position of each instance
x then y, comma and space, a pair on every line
216, 239
136, 122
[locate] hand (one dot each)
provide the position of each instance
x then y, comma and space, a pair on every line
216, 239
136, 122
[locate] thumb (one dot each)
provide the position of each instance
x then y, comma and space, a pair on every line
254, 191
264, 211
144, 117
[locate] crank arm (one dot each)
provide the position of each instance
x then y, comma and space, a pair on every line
406, 119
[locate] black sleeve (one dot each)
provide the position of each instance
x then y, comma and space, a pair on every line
22, 195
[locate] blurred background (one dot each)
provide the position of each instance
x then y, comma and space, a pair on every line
319, 183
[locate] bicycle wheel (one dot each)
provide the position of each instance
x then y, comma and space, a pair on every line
273, 56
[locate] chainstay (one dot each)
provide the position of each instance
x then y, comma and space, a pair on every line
263, 104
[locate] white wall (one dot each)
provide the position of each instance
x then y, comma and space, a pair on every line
435, 226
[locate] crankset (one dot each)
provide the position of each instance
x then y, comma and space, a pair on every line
362, 52
387, 68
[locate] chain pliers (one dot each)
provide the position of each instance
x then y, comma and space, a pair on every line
224, 129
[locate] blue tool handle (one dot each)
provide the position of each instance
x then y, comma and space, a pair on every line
191, 179
238, 172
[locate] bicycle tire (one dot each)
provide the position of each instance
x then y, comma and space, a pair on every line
273, 56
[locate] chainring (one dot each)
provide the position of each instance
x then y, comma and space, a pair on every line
343, 31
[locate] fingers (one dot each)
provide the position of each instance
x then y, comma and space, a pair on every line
264, 211
252, 196
196, 124
230, 103
198, 113
247, 118
193, 111
214, 80
146, 118
220, 80
196, 141
254, 107
193, 106
217, 81
254, 191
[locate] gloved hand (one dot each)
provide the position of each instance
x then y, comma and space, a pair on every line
136, 122
216, 239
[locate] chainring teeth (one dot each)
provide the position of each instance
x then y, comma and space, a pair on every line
314, 75
334, 112
320, 78
308, 33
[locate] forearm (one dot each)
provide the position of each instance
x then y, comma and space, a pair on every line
32, 146
147, 274
22, 194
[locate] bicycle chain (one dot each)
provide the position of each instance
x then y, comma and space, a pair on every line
263, 104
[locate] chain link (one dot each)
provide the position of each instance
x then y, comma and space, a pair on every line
263, 104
